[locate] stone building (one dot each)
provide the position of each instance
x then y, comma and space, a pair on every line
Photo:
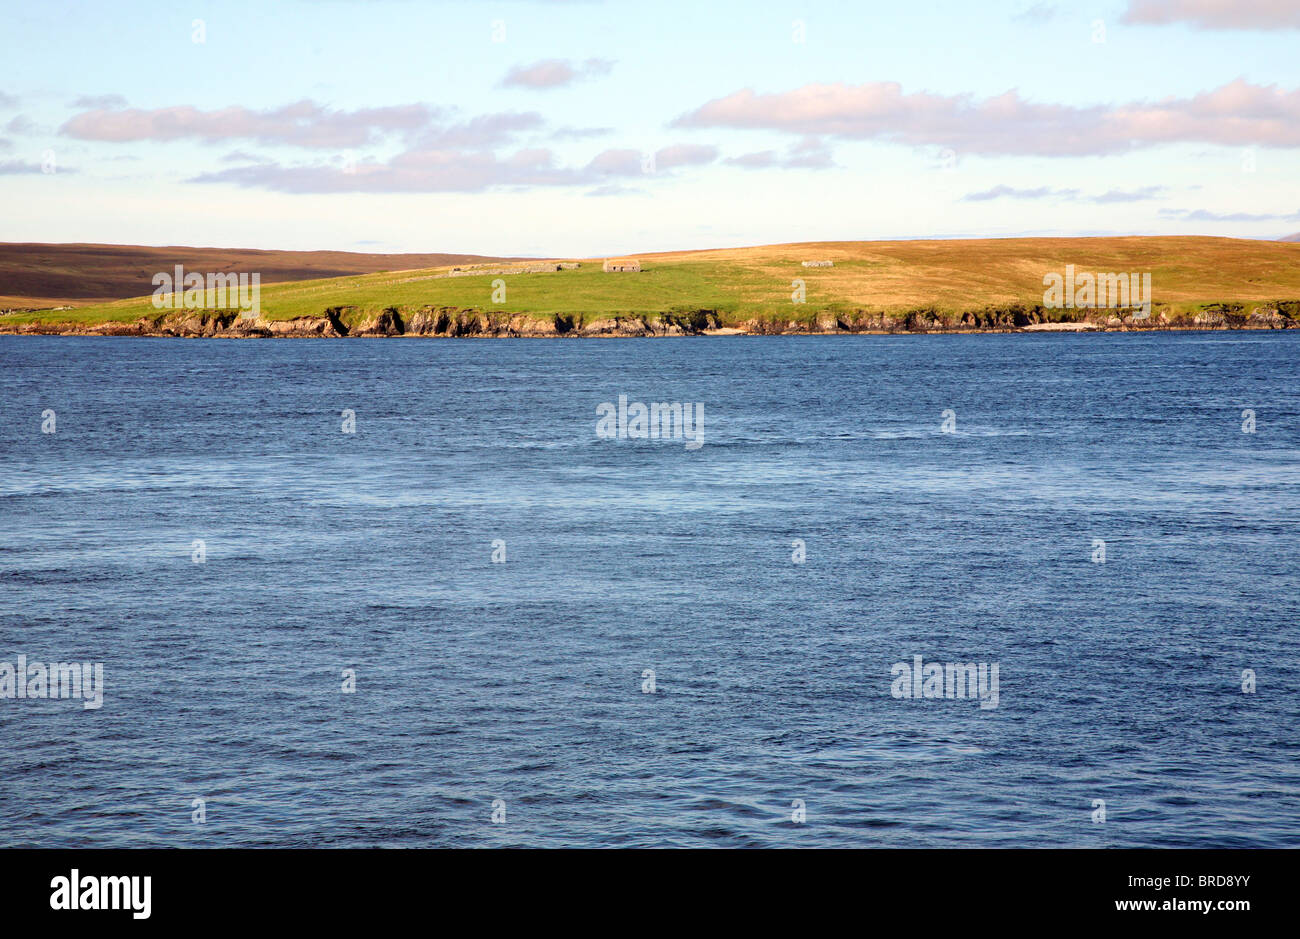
622, 264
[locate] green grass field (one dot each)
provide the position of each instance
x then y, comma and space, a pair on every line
744, 283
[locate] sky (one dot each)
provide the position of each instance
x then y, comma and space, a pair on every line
581, 128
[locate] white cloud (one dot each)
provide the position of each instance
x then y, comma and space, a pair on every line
303, 123
1216, 14
554, 73
1238, 113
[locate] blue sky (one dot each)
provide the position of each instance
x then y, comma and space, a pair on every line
592, 128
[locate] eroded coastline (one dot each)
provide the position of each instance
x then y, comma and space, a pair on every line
451, 322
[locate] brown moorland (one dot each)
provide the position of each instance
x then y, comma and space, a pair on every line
43, 275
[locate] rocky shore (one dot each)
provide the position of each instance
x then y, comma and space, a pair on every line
432, 321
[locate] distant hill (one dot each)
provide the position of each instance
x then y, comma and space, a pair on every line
866, 285
1295, 237
57, 274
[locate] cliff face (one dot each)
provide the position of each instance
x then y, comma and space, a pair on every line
339, 322
427, 321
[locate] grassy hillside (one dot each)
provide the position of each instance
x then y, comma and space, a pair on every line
747, 283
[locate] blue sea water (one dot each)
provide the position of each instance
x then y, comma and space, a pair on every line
523, 681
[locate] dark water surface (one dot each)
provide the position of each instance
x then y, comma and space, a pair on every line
522, 681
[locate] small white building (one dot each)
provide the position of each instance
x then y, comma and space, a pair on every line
622, 264
818, 263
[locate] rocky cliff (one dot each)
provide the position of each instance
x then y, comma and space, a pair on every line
338, 322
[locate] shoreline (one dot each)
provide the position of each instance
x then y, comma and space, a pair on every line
117, 331
451, 322
123, 331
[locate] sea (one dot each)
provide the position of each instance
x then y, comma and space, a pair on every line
407, 593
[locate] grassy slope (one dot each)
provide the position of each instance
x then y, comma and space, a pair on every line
741, 283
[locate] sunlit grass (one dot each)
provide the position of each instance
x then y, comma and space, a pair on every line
745, 283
